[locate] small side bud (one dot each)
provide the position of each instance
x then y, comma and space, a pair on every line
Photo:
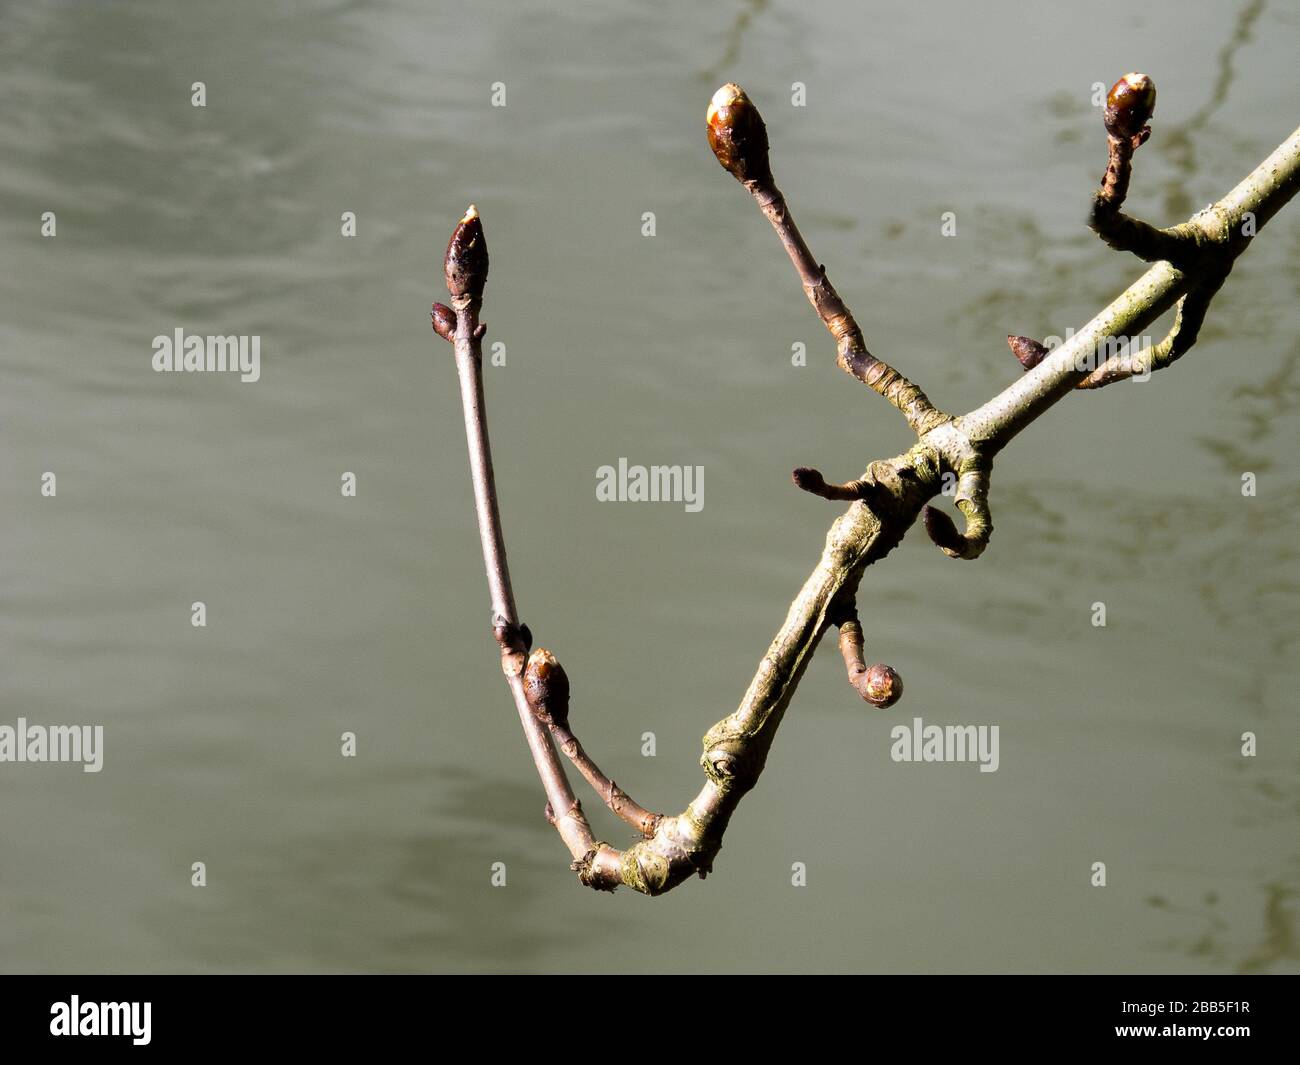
547, 687
881, 686
941, 529
809, 480
738, 136
444, 322
1029, 352
466, 263
1129, 105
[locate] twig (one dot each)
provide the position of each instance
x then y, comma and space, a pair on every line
466, 268
880, 685
885, 501
738, 137
537, 681
1128, 109
547, 686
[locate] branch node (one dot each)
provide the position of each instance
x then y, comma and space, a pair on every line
1182, 335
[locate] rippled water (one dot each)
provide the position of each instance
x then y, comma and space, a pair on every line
328, 614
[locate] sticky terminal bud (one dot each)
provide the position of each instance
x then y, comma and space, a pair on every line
738, 136
466, 264
444, 321
547, 687
881, 686
1129, 105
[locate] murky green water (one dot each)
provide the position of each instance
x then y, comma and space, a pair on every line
328, 614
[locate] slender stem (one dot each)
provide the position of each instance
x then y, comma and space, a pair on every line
852, 644
565, 809
618, 800
854, 358
1121, 231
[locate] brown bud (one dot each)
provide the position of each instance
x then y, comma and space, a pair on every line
1029, 352
466, 264
444, 321
941, 530
737, 135
1129, 105
547, 687
808, 479
881, 686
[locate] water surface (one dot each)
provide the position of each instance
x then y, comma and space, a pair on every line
328, 614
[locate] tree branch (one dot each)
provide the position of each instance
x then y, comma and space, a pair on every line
466, 267
738, 137
885, 501
547, 687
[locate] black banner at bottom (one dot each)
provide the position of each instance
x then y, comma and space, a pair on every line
341, 1014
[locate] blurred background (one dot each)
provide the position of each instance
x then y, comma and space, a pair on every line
328, 614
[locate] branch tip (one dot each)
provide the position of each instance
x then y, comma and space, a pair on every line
1129, 105
972, 501
940, 528
814, 483
466, 262
881, 686
738, 136
808, 479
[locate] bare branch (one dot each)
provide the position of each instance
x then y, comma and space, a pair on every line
1128, 108
466, 268
884, 502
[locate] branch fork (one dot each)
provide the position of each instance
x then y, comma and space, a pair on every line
1192, 260
1199, 250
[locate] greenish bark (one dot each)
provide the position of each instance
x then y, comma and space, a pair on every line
736, 748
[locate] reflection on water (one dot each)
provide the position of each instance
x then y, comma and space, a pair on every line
1280, 942
1215, 942
329, 614
1178, 142
735, 37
